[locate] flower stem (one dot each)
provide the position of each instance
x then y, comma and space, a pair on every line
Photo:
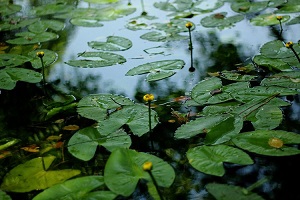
150, 129
292, 48
155, 184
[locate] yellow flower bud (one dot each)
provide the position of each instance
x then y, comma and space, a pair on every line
148, 97
147, 166
289, 44
279, 18
189, 25
40, 54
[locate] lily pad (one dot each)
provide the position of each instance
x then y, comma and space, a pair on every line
113, 43
43, 25
271, 63
123, 170
32, 38
249, 7
219, 20
157, 70
10, 76
9, 9
12, 60
276, 49
31, 175
210, 159
49, 58
99, 59
83, 144
204, 6
98, 106
16, 23
135, 116
101, 1
268, 20
50, 9
259, 142
229, 192
73, 189
86, 22
284, 79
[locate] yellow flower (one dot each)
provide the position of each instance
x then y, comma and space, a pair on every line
147, 166
289, 44
148, 97
189, 25
279, 18
40, 54
275, 142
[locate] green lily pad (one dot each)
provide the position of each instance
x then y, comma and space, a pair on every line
83, 144
43, 25
49, 58
142, 22
100, 59
16, 23
268, 20
229, 192
157, 70
173, 26
204, 6
73, 189
32, 38
295, 20
284, 79
210, 159
50, 9
123, 170
10, 76
166, 6
113, 43
290, 7
9, 9
272, 63
12, 60
276, 49
135, 116
218, 128
234, 76
86, 22
156, 36
258, 142
249, 7
98, 106
32, 176
100, 14
220, 20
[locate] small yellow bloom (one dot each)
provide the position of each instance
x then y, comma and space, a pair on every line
147, 166
148, 97
289, 44
279, 18
189, 25
275, 142
40, 54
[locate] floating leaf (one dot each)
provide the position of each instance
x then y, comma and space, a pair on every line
32, 176
272, 63
49, 58
276, 49
210, 159
32, 38
234, 76
83, 143
10, 76
16, 23
205, 6
97, 106
135, 116
229, 192
101, 1
268, 20
258, 142
12, 60
284, 79
155, 36
43, 25
9, 9
124, 169
113, 43
249, 7
100, 59
86, 22
220, 20
50, 9
73, 189
290, 7
158, 70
